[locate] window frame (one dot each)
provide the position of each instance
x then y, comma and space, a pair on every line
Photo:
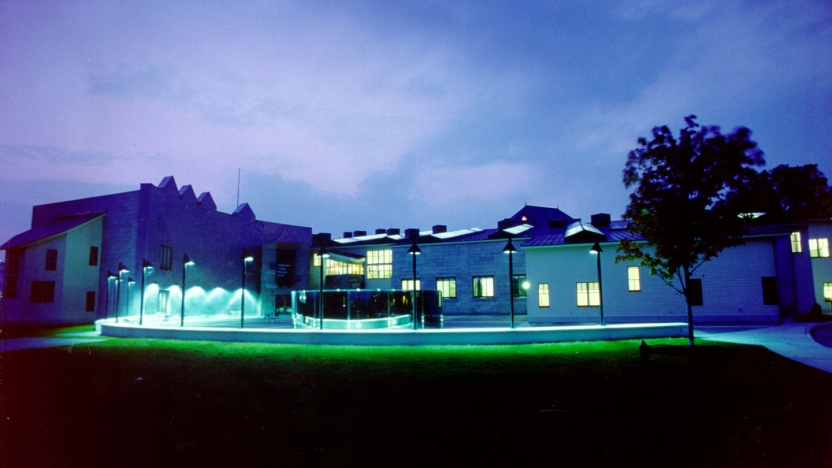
451, 283
770, 293
10, 288
820, 248
51, 263
633, 284
589, 291
90, 302
42, 292
517, 289
699, 297
795, 240
486, 286
827, 291
165, 257
409, 287
163, 299
379, 264
543, 290
93, 260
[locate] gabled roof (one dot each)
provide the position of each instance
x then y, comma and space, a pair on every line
539, 215
52, 228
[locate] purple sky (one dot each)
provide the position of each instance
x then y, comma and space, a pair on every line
361, 115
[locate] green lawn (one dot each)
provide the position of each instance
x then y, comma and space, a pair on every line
127, 402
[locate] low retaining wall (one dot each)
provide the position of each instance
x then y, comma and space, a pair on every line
457, 336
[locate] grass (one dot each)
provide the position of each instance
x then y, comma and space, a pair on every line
125, 402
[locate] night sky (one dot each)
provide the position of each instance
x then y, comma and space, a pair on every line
364, 115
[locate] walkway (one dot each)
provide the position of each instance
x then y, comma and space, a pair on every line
69, 341
789, 339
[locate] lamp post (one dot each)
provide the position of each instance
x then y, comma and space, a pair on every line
323, 254
121, 269
414, 250
147, 268
186, 260
245, 258
596, 250
509, 249
110, 275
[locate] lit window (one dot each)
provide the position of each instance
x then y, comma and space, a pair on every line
316, 260
164, 300
633, 279
797, 247
827, 292
90, 301
42, 291
483, 286
93, 256
166, 255
517, 289
51, 260
379, 264
588, 295
543, 294
819, 248
447, 286
334, 267
407, 284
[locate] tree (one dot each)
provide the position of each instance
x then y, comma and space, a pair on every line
787, 194
680, 203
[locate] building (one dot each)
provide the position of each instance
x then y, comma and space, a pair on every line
131, 255
88, 259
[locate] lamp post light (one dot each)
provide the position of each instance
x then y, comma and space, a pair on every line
147, 268
245, 258
121, 269
509, 249
186, 260
110, 275
323, 254
414, 250
596, 250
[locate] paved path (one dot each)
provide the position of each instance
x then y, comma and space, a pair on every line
789, 339
69, 341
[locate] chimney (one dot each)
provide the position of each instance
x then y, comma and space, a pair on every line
321, 238
439, 228
505, 224
412, 233
600, 220
347, 234
381, 231
359, 233
393, 232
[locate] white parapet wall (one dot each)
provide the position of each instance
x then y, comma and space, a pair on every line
456, 336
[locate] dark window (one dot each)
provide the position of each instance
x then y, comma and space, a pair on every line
11, 287
695, 292
12, 262
90, 301
42, 291
93, 255
166, 258
517, 289
769, 290
51, 260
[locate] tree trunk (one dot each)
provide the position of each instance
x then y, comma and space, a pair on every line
689, 308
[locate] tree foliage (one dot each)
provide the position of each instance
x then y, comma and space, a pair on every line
787, 194
681, 204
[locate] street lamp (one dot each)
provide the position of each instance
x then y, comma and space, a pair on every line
121, 269
110, 275
596, 250
147, 268
186, 260
323, 254
246, 258
510, 250
414, 250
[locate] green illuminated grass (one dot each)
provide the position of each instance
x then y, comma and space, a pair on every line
159, 402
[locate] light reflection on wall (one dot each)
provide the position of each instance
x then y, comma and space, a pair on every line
198, 302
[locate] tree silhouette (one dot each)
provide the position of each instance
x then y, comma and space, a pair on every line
680, 202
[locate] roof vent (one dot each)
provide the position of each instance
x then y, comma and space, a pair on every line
505, 224
359, 233
393, 232
600, 220
347, 234
412, 233
321, 238
381, 231
439, 228
558, 223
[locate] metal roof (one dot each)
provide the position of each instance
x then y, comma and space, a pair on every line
52, 228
